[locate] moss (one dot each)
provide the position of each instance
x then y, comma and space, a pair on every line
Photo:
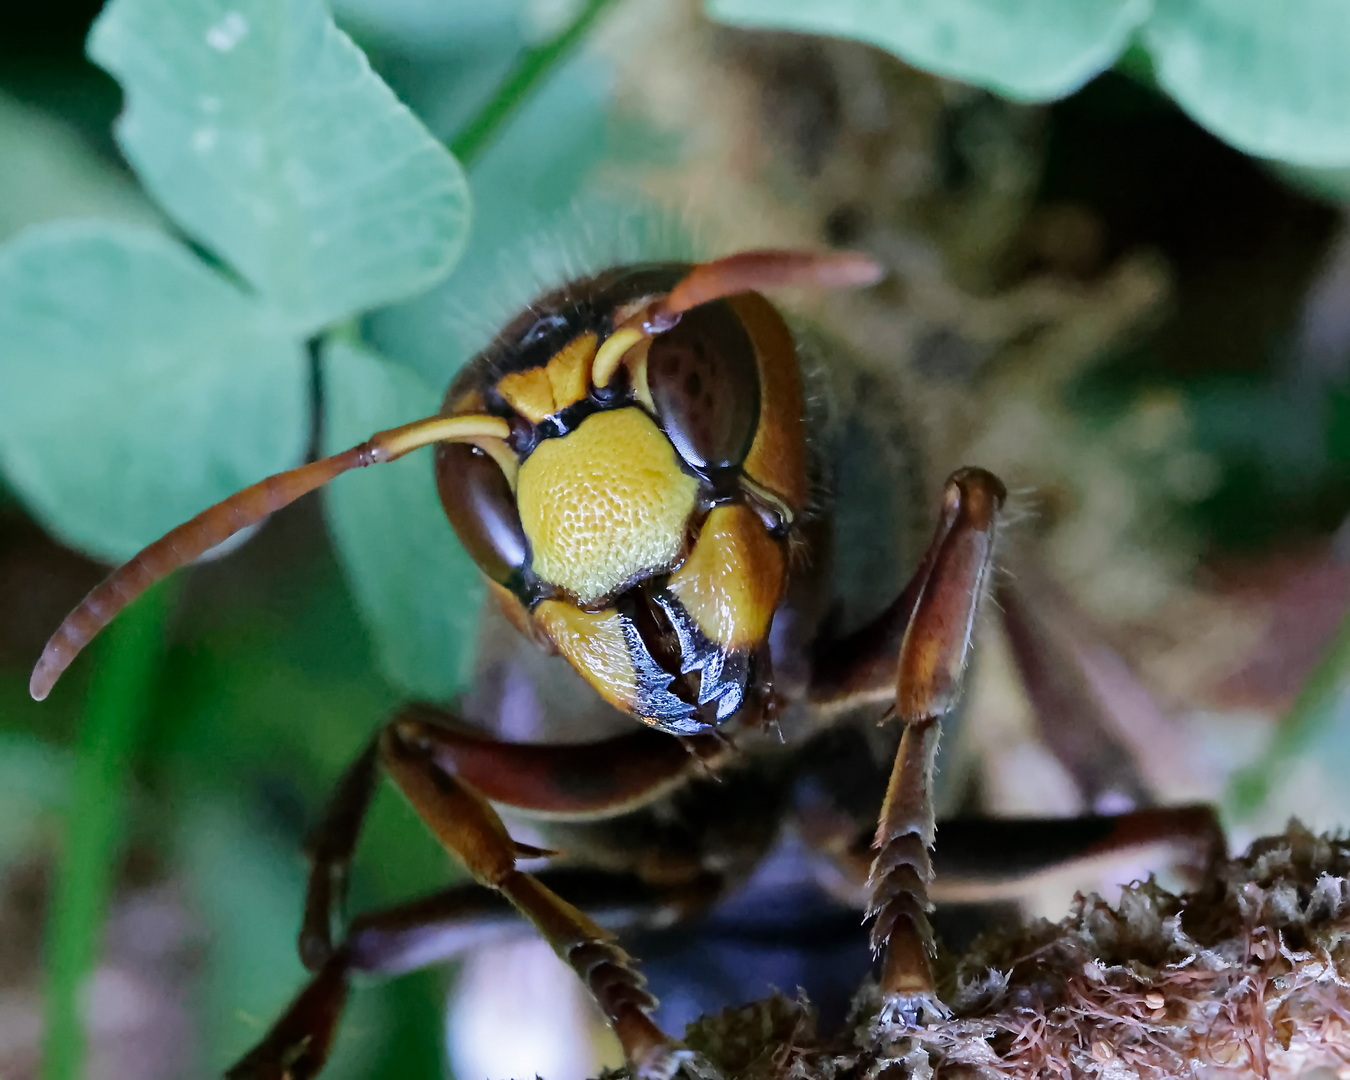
1249, 972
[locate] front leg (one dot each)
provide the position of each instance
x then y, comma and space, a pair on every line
435, 930
452, 776
945, 595
421, 762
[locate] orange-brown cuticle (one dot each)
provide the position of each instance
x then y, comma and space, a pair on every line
777, 456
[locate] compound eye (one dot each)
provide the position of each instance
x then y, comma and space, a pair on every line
704, 381
482, 509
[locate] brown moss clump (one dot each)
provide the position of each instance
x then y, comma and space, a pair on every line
1250, 972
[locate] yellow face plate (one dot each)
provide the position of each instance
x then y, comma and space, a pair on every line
733, 579
604, 504
595, 645
538, 393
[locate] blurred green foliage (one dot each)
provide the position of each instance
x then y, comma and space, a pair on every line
1033, 51
180, 387
47, 170
262, 131
420, 595
110, 739
144, 378
266, 137
310, 233
1269, 78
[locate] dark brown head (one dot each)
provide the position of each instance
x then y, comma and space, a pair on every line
636, 519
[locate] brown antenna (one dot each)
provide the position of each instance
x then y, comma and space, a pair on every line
755, 271
218, 523
746, 271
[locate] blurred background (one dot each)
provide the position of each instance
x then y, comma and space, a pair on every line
1145, 331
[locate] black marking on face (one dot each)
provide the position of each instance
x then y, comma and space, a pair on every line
725, 673
553, 320
655, 704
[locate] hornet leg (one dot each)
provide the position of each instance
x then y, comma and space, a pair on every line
449, 774
945, 594
434, 930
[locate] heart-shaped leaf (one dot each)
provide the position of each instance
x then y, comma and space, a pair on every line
47, 171
418, 589
140, 386
261, 128
1271, 78
1030, 50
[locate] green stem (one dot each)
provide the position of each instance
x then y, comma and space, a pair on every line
1312, 710
110, 732
533, 66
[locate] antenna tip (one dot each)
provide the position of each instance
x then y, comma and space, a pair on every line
42, 680
854, 268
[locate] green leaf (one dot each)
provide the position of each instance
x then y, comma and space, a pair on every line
1310, 750
1338, 424
429, 27
47, 171
140, 387
263, 131
1271, 78
538, 217
418, 589
1031, 50
111, 733
247, 887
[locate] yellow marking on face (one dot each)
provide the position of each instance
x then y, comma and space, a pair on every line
569, 372
540, 392
604, 504
612, 352
594, 643
529, 392
733, 579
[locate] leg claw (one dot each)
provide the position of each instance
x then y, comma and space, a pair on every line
665, 1061
910, 1011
